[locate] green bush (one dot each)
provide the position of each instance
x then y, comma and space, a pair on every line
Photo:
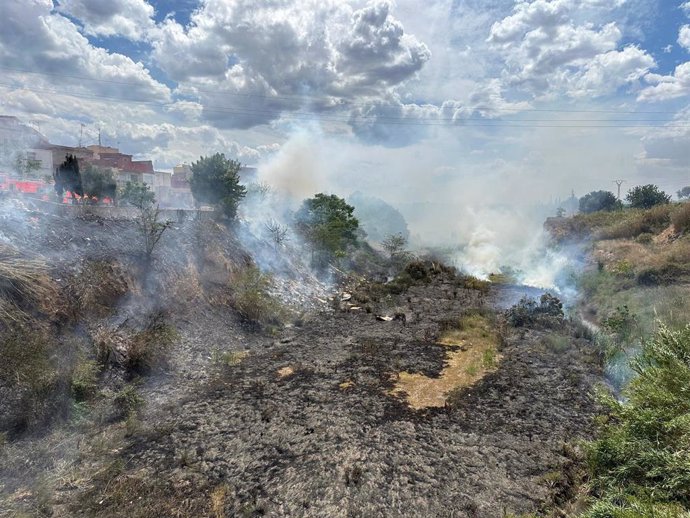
599, 200
85, 379
328, 224
646, 196
128, 401
31, 375
640, 463
645, 238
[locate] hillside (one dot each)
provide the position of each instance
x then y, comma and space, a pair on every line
635, 291
195, 385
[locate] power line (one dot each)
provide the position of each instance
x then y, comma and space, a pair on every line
428, 121
345, 103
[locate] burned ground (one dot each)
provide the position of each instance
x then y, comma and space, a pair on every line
326, 438
244, 420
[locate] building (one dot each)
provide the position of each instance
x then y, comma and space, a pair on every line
22, 150
126, 169
180, 194
58, 153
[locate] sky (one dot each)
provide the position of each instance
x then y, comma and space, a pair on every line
445, 101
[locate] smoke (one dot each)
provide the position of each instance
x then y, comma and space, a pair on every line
296, 171
486, 217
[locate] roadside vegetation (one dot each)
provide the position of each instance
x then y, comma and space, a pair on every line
637, 291
639, 464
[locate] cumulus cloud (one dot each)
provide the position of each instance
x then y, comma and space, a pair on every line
36, 39
667, 87
611, 70
684, 37
548, 52
128, 18
249, 62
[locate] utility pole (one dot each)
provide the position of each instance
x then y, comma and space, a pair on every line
619, 183
99, 136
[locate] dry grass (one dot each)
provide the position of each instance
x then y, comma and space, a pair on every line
473, 354
614, 254
681, 218
286, 372
183, 286
24, 285
228, 358
218, 498
99, 287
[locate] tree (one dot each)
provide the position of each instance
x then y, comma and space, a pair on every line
137, 195
150, 228
277, 232
215, 180
684, 193
327, 222
68, 178
98, 182
646, 196
597, 201
394, 244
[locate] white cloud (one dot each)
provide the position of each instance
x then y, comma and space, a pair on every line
548, 52
667, 87
607, 72
257, 60
128, 18
684, 37
36, 39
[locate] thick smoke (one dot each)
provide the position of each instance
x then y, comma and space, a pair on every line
488, 219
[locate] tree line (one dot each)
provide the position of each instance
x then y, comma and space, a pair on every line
639, 197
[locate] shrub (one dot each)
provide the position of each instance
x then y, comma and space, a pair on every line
548, 312
150, 228
681, 218
640, 459
417, 270
85, 379
621, 322
137, 195
128, 401
637, 222
98, 183
597, 201
645, 238
251, 297
147, 348
661, 276
646, 196
30, 379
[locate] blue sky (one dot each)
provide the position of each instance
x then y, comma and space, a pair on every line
432, 100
